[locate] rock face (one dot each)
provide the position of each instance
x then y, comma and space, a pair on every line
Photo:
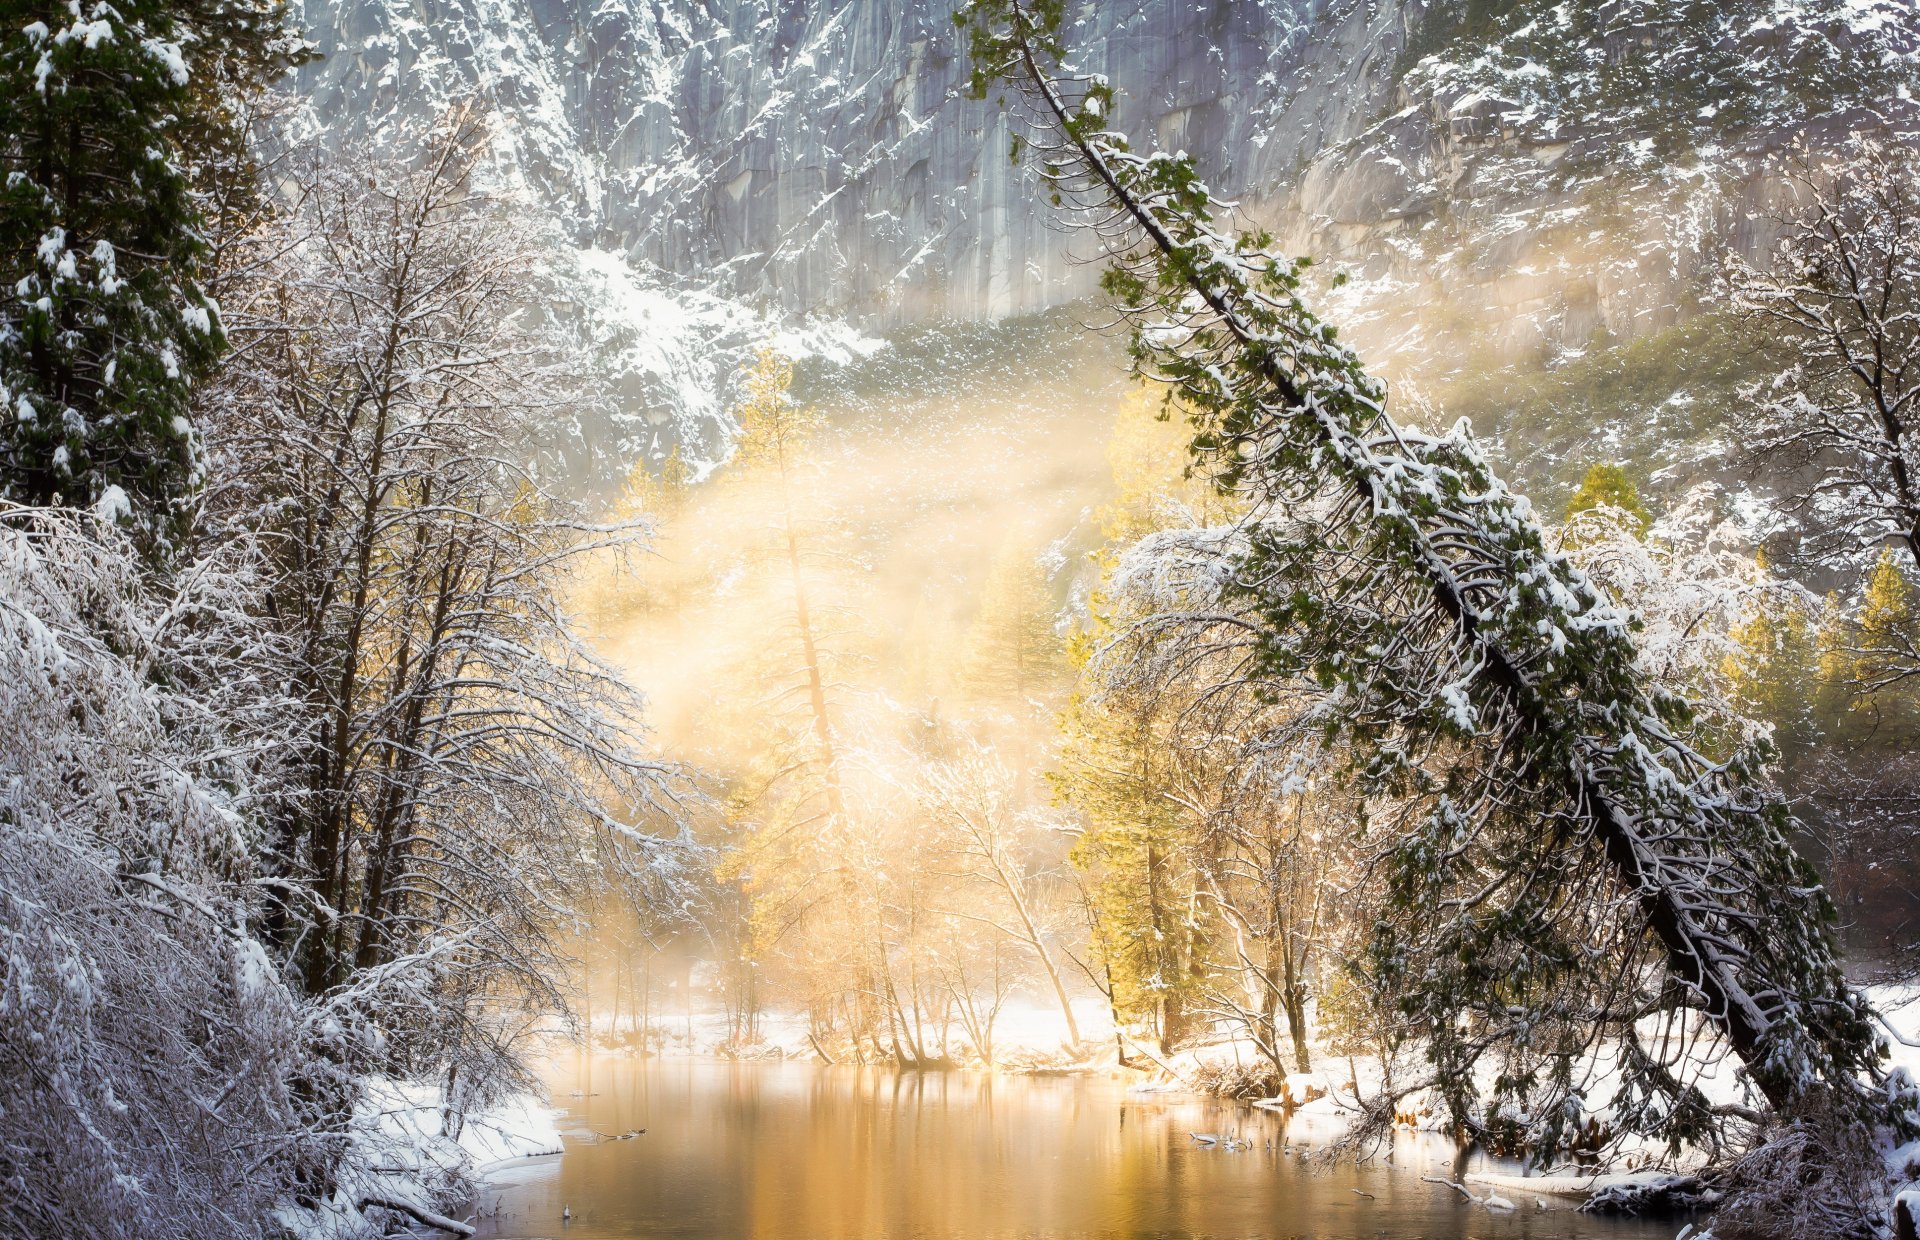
815, 155
1573, 174
1511, 180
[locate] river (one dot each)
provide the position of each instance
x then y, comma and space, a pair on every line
803, 1150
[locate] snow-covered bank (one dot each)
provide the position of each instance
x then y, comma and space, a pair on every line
1900, 1006
1024, 1030
1324, 1103
401, 1153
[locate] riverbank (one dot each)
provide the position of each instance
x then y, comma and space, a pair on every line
405, 1164
1325, 1100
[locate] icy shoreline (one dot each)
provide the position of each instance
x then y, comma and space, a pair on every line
402, 1155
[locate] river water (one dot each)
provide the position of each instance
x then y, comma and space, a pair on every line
801, 1150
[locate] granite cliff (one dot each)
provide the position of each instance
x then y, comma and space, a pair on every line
1523, 175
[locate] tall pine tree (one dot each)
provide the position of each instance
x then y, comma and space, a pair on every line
1541, 805
1012, 653
104, 327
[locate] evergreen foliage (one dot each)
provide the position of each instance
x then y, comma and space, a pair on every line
1677, 73
1012, 652
1608, 486
105, 327
775, 435
1140, 887
1559, 857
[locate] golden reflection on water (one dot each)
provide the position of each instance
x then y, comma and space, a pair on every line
799, 1150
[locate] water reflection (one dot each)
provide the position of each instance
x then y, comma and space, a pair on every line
780, 1150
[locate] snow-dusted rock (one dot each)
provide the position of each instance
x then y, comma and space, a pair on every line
817, 157
786, 159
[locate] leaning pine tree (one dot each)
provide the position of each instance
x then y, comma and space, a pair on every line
1560, 862
103, 323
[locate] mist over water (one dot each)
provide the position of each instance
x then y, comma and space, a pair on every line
940, 458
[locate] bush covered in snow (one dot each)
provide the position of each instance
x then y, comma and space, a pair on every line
150, 1058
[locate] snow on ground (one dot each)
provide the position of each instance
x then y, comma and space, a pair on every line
1900, 1005
401, 1152
411, 1116
1025, 1029
679, 349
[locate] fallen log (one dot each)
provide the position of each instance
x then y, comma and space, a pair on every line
1654, 1198
426, 1218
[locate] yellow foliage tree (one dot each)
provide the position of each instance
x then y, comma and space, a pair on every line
1012, 651
1772, 667
1607, 485
1147, 457
1886, 668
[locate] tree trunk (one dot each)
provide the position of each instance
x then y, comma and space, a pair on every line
1714, 943
1009, 883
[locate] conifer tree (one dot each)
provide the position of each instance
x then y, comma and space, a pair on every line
1012, 651
1122, 752
104, 327
1539, 805
1608, 486
775, 432
1140, 882
1773, 668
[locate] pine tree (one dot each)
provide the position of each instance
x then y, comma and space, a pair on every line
1608, 486
1773, 668
775, 432
1012, 651
1140, 882
656, 493
105, 328
1539, 801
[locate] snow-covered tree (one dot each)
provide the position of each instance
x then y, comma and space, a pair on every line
461, 754
1844, 288
1886, 655
1607, 485
154, 1068
1238, 765
1201, 854
979, 844
105, 327
1561, 858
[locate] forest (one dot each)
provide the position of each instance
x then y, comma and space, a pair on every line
1159, 689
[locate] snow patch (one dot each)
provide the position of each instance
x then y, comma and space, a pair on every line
113, 504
